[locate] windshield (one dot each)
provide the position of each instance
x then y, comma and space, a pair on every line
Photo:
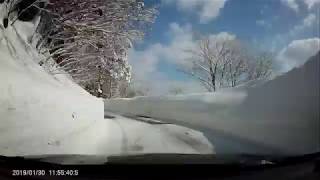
99, 79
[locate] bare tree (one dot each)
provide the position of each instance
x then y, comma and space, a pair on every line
261, 66
236, 64
225, 62
205, 60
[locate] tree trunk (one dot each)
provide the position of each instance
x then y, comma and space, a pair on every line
213, 78
100, 84
214, 82
110, 86
222, 75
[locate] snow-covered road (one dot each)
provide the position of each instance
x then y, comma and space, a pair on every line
134, 136
222, 142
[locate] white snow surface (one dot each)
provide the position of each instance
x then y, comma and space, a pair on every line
134, 137
280, 116
37, 109
41, 114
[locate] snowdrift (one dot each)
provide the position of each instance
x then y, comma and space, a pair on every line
280, 116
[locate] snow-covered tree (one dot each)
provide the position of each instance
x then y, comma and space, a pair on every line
89, 39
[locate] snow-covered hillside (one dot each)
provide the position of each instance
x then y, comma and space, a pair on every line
36, 109
278, 116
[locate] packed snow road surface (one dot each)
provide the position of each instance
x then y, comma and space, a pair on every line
133, 136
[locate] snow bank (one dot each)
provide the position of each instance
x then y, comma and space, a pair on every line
37, 110
279, 116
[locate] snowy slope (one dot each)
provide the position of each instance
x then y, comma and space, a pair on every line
278, 116
37, 109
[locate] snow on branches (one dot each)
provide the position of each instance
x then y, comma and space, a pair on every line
89, 39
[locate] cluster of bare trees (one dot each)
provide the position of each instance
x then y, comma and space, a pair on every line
218, 63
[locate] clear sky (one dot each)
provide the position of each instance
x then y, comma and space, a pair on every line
288, 28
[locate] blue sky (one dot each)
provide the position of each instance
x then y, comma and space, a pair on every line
283, 27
